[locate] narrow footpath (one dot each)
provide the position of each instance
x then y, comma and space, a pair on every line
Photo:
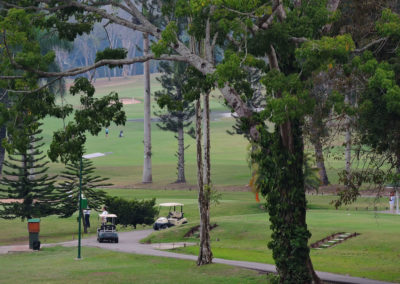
129, 242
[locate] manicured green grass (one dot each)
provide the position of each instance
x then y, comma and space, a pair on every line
57, 265
373, 254
124, 165
243, 231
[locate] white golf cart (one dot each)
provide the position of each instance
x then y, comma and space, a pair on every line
174, 218
107, 231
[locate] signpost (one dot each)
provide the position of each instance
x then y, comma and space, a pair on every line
80, 209
88, 156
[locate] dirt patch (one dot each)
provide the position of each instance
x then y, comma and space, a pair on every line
195, 229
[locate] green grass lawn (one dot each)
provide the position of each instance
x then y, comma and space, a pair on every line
57, 265
124, 165
243, 231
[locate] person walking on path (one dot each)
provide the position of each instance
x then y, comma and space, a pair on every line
392, 198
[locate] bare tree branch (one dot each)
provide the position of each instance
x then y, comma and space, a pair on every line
112, 62
299, 39
372, 43
5, 77
273, 59
35, 90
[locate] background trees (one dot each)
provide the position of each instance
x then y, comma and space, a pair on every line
179, 112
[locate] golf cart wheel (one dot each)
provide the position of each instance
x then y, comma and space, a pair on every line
116, 241
164, 226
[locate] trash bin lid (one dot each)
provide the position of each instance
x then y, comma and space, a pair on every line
37, 220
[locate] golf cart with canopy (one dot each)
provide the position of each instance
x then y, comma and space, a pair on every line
107, 231
174, 218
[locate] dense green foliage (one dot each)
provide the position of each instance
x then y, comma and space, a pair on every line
110, 53
95, 114
23, 59
132, 212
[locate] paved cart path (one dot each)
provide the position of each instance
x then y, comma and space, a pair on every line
129, 242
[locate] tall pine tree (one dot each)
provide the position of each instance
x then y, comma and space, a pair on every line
179, 112
69, 188
30, 190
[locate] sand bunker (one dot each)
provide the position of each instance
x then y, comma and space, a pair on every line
129, 101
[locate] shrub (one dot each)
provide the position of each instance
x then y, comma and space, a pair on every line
132, 212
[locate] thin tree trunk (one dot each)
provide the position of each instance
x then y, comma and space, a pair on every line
319, 158
30, 163
147, 169
398, 163
348, 139
319, 155
205, 254
3, 133
108, 73
206, 141
181, 153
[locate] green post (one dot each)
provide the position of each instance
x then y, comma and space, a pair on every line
80, 209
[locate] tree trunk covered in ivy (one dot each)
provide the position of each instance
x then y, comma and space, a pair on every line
281, 165
147, 169
205, 254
